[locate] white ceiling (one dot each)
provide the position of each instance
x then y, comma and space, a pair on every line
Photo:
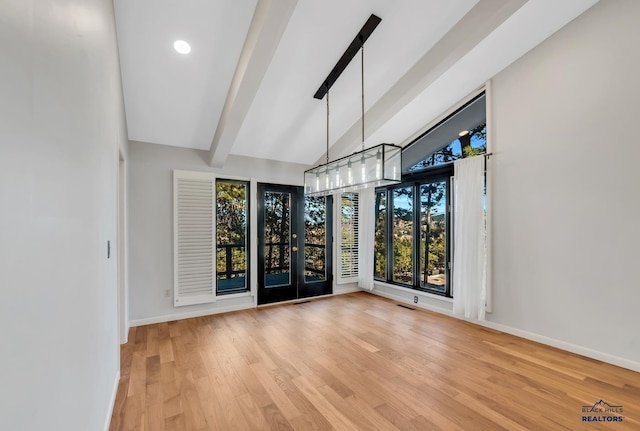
424, 57
170, 98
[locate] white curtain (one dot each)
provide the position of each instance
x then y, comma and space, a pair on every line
469, 262
366, 232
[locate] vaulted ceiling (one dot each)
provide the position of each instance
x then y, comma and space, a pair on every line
247, 86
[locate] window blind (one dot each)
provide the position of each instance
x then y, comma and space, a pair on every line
348, 259
194, 233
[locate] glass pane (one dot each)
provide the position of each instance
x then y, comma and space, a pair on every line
380, 245
231, 236
376, 165
314, 238
433, 224
473, 143
277, 221
403, 235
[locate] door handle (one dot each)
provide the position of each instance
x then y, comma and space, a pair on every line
294, 248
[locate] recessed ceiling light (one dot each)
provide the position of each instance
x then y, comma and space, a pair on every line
182, 47
463, 133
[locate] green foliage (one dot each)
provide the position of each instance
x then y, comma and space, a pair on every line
231, 227
402, 231
402, 259
276, 231
432, 229
231, 212
315, 209
432, 232
379, 250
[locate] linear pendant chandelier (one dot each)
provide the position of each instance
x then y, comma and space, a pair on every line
371, 167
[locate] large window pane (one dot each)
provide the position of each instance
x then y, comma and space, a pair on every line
433, 224
380, 245
277, 222
231, 236
315, 214
415, 252
403, 235
471, 143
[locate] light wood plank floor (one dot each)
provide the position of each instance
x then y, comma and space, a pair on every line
357, 362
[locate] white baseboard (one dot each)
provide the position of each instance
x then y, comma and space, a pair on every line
402, 299
412, 292
112, 404
573, 348
188, 315
200, 313
347, 290
124, 338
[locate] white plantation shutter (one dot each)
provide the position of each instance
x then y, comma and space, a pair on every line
193, 236
348, 258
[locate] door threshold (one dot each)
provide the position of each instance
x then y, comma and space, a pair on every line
296, 301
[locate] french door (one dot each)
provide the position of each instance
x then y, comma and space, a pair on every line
294, 244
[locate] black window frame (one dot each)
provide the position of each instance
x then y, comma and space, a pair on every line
247, 287
431, 129
415, 180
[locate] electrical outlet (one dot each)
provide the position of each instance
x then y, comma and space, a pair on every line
167, 293
415, 299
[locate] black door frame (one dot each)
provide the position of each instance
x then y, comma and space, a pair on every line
298, 288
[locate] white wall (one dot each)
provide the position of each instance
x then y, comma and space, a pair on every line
61, 117
566, 205
566, 199
151, 225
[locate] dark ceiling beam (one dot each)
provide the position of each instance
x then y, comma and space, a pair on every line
348, 55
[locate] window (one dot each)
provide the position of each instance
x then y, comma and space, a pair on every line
472, 143
433, 235
380, 244
402, 234
210, 237
315, 228
231, 236
417, 230
348, 259
413, 228
277, 237
461, 134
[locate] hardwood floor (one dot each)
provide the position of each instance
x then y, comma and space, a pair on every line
357, 362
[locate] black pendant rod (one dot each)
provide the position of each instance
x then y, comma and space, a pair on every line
348, 55
327, 127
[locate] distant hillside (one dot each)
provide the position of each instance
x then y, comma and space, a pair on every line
437, 218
